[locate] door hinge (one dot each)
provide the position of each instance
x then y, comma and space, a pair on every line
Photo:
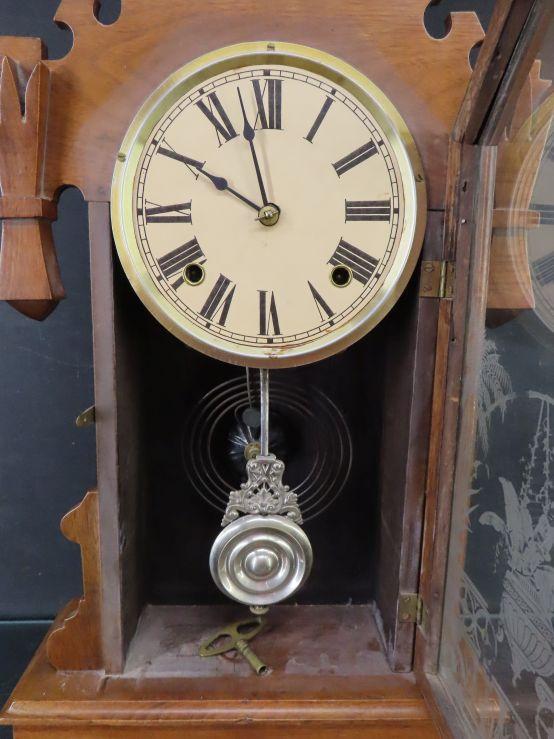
412, 610
437, 279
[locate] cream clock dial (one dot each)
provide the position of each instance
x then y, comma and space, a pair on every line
268, 204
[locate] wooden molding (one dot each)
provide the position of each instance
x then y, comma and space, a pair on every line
75, 644
29, 274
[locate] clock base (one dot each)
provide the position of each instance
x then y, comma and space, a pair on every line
329, 679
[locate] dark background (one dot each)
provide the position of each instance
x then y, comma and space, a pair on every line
46, 463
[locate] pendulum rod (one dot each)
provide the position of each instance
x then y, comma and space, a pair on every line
264, 412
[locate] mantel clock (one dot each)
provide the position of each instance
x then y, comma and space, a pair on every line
289, 218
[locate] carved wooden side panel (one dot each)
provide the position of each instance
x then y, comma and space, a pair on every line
76, 644
29, 275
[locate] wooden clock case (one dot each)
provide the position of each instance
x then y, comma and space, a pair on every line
122, 661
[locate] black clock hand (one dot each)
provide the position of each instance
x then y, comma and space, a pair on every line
219, 182
249, 133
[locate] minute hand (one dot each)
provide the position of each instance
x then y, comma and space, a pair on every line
248, 132
219, 182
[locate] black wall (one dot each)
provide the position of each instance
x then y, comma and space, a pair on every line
46, 463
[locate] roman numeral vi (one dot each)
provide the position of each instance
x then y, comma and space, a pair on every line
269, 320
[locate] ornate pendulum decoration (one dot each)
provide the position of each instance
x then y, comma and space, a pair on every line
263, 556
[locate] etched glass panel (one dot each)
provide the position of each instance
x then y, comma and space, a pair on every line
497, 648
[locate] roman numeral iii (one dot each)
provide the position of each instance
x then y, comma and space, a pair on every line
178, 213
268, 102
355, 157
367, 210
362, 265
177, 259
215, 113
219, 300
269, 320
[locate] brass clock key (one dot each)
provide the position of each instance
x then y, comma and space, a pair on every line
235, 637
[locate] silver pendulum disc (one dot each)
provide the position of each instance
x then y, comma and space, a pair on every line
264, 556
260, 560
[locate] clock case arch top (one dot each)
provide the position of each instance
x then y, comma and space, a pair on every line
91, 99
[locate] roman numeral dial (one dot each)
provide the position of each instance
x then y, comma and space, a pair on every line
270, 207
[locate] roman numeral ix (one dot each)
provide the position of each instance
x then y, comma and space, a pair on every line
367, 210
215, 113
269, 320
219, 300
177, 259
355, 157
269, 111
178, 213
362, 265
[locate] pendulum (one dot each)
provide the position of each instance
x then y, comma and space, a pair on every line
262, 556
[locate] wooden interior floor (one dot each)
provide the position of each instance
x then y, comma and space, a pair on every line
328, 674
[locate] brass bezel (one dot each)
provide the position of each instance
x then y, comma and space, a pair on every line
369, 96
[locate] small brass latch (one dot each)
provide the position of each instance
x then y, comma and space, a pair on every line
411, 609
86, 418
437, 279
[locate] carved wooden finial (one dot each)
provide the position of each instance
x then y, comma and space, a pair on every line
29, 274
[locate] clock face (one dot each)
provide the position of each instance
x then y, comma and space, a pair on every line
267, 205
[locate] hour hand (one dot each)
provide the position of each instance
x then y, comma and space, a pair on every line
220, 182
248, 132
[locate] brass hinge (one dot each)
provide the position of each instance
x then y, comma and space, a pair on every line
437, 279
412, 610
